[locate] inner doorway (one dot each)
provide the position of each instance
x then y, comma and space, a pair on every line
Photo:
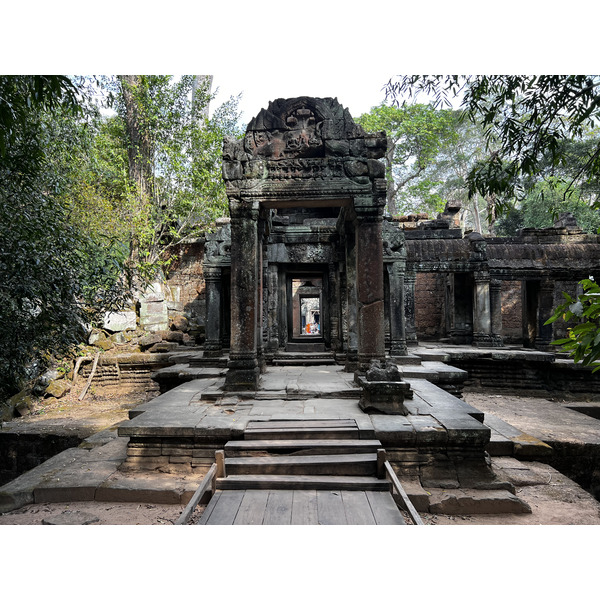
305, 311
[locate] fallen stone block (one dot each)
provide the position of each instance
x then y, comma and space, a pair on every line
472, 502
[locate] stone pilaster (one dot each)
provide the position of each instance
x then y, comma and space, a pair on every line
410, 278
369, 282
545, 311
351, 314
397, 316
212, 345
243, 368
496, 310
482, 319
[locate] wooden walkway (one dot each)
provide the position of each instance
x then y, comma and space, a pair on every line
301, 507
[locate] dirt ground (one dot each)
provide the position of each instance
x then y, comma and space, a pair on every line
557, 500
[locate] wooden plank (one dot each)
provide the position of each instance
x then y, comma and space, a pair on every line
405, 500
330, 507
252, 508
226, 508
209, 508
301, 423
304, 507
279, 508
313, 464
316, 482
384, 508
357, 508
191, 505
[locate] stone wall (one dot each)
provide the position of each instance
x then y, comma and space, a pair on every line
429, 305
186, 281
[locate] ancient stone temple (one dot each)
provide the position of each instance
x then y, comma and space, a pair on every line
306, 196
309, 262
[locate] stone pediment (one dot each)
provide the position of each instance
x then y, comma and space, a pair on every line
314, 141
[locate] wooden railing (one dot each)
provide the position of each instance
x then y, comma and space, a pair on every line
209, 480
385, 469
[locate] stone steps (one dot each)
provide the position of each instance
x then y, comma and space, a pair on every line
299, 447
302, 429
303, 358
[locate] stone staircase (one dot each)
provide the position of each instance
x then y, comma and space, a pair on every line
304, 358
302, 454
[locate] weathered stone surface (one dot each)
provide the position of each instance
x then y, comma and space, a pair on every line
69, 517
104, 344
149, 340
471, 502
120, 321
58, 388
163, 347
180, 323
175, 337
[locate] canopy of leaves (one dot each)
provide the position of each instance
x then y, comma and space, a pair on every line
528, 117
183, 192
50, 270
416, 135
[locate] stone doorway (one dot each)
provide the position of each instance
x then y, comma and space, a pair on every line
306, 326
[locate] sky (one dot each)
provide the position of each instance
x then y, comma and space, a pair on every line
358, 95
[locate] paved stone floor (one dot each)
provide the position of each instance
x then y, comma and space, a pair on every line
315, 392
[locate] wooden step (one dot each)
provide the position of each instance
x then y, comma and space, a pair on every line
319, 464
302, 482
299, 447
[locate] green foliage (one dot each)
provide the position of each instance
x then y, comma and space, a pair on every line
183, 191
49, 268
416, 135
583, 343
529, 118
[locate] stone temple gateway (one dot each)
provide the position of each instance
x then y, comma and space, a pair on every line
306, 194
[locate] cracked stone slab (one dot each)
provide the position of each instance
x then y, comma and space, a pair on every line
69, 517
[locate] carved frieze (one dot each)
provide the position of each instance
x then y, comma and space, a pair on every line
308, 139
218, 246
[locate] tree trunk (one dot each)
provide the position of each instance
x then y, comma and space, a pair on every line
139, 148
139, 154
203, 83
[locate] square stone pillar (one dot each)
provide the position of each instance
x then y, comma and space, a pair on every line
212, 345
243, 369
545, 311
397, 316
369, 282
482, 317
410, 278
496, 310
351, 311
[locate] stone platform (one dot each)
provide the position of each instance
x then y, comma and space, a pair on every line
163, 451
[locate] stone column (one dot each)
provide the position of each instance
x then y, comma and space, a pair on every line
496, 310
272, 308
410, 278
334, 307
397, 317
212, 345
544, 312
351, 310
369, 282
261, 263
482, 319
243, 370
